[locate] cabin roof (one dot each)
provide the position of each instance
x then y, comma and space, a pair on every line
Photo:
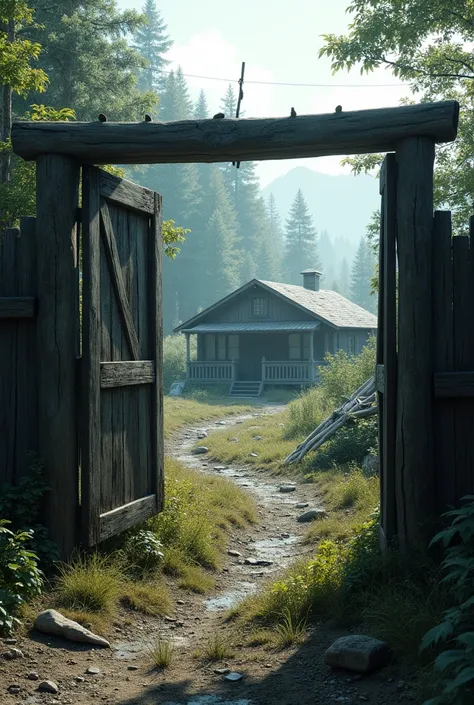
325, 305
260, 327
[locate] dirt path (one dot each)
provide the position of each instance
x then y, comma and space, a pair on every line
295, 676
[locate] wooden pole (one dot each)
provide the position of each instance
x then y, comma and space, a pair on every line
188, 356
415, 480
232, 140
57, 184
311, 356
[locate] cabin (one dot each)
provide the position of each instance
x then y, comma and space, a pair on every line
267, 333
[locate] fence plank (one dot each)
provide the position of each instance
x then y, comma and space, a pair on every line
156, 327
443, 358
462, 362
379, 358
454, 385
126, 516
414, 458
17, 306
57, 181
126, 192
124, 374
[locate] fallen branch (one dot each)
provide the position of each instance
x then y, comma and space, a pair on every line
362, 404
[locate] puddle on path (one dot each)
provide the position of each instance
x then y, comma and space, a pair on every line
129, 650
228, 599
274, 548
209, 700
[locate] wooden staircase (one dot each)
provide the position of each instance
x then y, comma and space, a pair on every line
246, 389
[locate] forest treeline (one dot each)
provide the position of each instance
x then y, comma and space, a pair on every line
89, 57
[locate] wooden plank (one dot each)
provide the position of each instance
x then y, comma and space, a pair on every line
122, 518
253, 139
91, 316
379, 355
462, 362
443, 351
414, 454
17, 307
117, 280
454, 385
380, 378
57, 182
156, 327
389, 483
125, 374
126, 193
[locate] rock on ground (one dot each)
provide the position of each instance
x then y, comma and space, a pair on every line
358, 653
48, 687
312, 515
53, 622
200, 450
287, 488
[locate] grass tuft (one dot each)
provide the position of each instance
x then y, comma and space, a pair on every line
161, 653
290, 630
196, 580
151, 598
216, 648
89, 583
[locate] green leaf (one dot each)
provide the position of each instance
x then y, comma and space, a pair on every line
448, 658
467, 638
463, 677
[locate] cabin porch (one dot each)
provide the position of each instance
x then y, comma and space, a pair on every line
270, 354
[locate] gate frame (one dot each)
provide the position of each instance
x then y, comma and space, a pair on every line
410, 131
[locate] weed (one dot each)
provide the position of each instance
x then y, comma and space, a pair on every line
260, 637
195, 579
161, 653
216, 648
290, 630
90, 583
148, 597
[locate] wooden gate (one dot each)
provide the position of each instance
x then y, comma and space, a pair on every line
121, 406
386, 374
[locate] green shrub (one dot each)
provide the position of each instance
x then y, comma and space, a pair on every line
455, 665
350, 444
143, 553
343, 373
89, 583
174, 359
20, 577
306, 413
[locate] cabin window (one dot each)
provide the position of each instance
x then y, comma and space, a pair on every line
352, 344
306, 346
210, 347
221, 347
233, 347
259, 307
294, 340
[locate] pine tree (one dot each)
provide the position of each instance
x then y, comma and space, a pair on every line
175, 103
275, 235
362, 272
152, 42
218, 258
229, 102
344, 279
201, 110
301, 251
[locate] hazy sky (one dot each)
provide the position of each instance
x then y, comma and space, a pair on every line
279, 41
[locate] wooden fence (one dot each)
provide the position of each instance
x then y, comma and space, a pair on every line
84, 392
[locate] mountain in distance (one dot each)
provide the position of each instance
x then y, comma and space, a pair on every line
341, 204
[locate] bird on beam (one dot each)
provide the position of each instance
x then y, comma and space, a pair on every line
147, 118
338, 108
102, 117
218, 116
293, 112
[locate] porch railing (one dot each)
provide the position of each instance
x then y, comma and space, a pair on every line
290, 372
211, 371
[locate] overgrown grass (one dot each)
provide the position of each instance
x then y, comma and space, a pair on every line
89, 584
180, 412
290, 630
216, 648
151, 597
161, 653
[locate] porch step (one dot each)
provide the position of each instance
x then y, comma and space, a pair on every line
246, 389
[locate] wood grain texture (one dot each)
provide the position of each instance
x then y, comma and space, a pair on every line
252, 139
91, 458
124, 374
156, 326
57, 181
454, 385
443, 359
17, 306
389, 478
117, 280
126, 516
414, 452
126, 193
18, 355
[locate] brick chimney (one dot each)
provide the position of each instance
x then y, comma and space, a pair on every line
311, 279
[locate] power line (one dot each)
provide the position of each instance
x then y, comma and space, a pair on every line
299, 85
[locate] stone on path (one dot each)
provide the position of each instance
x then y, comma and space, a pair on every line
257, 561
287, 488
33, 676
302, 505
232, 552
220, 468
52, 622
14, 689
93, 671
200, 450
48, 687
312, 515
232, 676
202, 435
12, 654
358, 653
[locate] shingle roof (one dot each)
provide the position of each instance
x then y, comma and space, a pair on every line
261, 327
329, 305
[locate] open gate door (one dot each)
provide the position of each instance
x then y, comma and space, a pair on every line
386, 372
122, 402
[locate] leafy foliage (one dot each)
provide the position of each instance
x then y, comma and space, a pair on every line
344, 373
350, 444
17, 53
143, 553
456, 631
20, 577
174, 359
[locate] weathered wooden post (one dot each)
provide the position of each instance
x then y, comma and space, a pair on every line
188, 356
311, 357
415, 482
57, 184
263, 370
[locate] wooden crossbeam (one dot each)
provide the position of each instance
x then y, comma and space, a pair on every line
126, 374
231, 140
452, 385
117, 280
17, 307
